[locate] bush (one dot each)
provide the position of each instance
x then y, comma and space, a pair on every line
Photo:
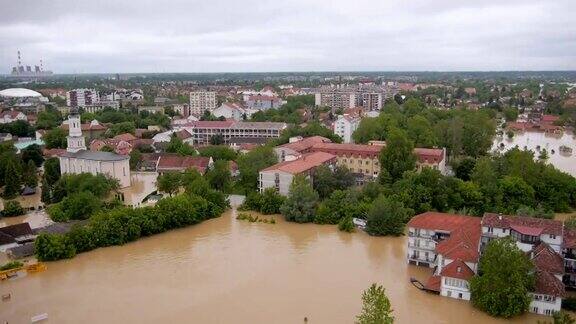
121, 225
346, 225
12, 208
11, 265
569, 303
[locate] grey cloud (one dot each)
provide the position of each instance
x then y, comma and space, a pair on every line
291, 35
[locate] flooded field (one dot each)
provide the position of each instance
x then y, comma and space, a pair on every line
536, 141
230, 271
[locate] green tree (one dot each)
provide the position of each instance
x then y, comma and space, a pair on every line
30, 175
510, 114
503, 291
51, 170
563, 317
12, 208
219, 176
121, 128
270, 202
387, 217
169, 182
421, 132
46, 196
217, 139
176, 145
464, 168
326, 180
55, 138
34, 153
397, 157
251, 163
346, 224
12, 178
218, 152
51, 247
135, 158
515, 193
376, 308
301, 203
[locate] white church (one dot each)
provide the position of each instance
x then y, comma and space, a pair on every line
78, 159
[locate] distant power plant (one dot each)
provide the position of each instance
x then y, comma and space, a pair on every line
26, 71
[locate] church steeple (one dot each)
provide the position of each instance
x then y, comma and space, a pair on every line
76, 141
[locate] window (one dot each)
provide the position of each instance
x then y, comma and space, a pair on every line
490, 230
552, 236
460, 295
449, 293
535, 310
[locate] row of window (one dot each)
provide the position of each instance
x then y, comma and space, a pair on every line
456, 283
546, 298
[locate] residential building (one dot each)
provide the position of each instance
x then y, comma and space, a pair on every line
201, 101
151, 109
231, 110
526, 231
78, 160
10, 116
182, 109
15, 235
345, 126
100, 105
203, 131
260, 102
172, 162
82, 97
372, 101
281, 175
297, 146
335, 99
434, 158
451, 244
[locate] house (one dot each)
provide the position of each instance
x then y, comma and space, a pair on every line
4, 137
434, 158
151, 109
170, 162
526, 231
281, 175
261, 102
231, 110
15, 235
203, 131
10, 116
297, 146
345, 126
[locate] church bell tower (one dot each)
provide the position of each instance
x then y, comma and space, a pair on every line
76, 141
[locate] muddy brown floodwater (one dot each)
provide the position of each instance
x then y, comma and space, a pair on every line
230, 271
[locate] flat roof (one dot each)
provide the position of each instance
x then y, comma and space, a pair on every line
96, 156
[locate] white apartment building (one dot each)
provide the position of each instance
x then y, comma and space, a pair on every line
345, 126
203, 131
281, 175
82, 97
231, 110
372, 101
100, 105
201, 101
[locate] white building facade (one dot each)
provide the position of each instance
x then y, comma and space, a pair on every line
201, 101
82, 97
345, 126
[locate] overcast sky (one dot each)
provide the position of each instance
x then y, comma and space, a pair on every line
74, 36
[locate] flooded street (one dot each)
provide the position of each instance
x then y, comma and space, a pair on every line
531, 140
230, 271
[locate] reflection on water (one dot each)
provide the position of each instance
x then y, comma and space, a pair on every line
531, 140
229, 271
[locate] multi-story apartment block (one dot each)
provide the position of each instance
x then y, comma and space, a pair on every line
345, 126
100, 105
281, 175
82, 97
201, 101
182, 109
335, 99
452, 245
203, 131
372, 100
260, 102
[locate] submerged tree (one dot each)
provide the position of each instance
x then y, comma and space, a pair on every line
503, 290
376, 308
300, 206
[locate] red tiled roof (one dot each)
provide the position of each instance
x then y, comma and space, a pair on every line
457, 269
433, 283
548, 284
428, 155
306, 162
439, 221
569, 241
305, 143
262, 98
463, 242
549, 118
125, 137
175, 162
363, 150
183, 134
548, 226
53, 152
546, 259
11, 113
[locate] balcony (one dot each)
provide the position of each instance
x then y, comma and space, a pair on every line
414, 257
421, 246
